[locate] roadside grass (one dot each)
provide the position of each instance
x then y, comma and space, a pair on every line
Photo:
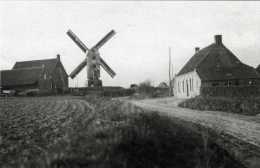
246, 106
138, 139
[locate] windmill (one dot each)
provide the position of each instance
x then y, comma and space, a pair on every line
93, 61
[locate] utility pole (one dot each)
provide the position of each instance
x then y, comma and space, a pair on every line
172, 81
170, 75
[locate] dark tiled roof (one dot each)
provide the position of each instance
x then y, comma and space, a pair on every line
195, 60
22, 76
238, 72
49, 64
258, 69
216, 62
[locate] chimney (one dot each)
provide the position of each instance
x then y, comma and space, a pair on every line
197, 49
58, 57
218, 39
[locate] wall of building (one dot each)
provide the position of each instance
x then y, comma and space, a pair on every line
231, 88
20, 88
232, 83
187, 85
45, 83
60, 79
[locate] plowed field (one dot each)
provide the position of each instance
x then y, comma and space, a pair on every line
32, 128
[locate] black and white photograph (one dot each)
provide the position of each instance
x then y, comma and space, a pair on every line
129, 84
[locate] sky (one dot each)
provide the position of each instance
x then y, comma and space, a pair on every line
144, 32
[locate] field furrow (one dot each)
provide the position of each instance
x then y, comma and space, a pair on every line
33, 127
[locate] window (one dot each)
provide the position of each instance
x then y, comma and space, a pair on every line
187, 85
225, 83
237, 82
183, 86
190, 84
215, 84
179, 87
45, 76
229, 83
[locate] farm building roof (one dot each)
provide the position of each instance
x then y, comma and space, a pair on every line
22, 76
48, 64
216, 62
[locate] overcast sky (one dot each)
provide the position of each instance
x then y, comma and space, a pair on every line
145, 30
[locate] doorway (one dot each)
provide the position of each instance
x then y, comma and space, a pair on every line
187, 87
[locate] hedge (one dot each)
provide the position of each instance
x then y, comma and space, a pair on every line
247, 106
121, 92
231, 91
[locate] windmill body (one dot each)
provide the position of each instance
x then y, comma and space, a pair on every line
93, 68
93, 60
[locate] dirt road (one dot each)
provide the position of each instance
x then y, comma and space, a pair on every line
245, 128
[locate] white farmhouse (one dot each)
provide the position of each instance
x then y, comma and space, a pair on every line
213, 66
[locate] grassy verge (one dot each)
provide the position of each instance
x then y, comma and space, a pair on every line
139, 139
247, 106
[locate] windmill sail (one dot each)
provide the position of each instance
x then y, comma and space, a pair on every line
104, 39
107, 68
78, 69
79, 43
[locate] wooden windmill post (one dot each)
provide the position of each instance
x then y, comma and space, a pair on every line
93, 60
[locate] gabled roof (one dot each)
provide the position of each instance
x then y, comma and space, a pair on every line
195, 60
48, 64
216, 62
22, 76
